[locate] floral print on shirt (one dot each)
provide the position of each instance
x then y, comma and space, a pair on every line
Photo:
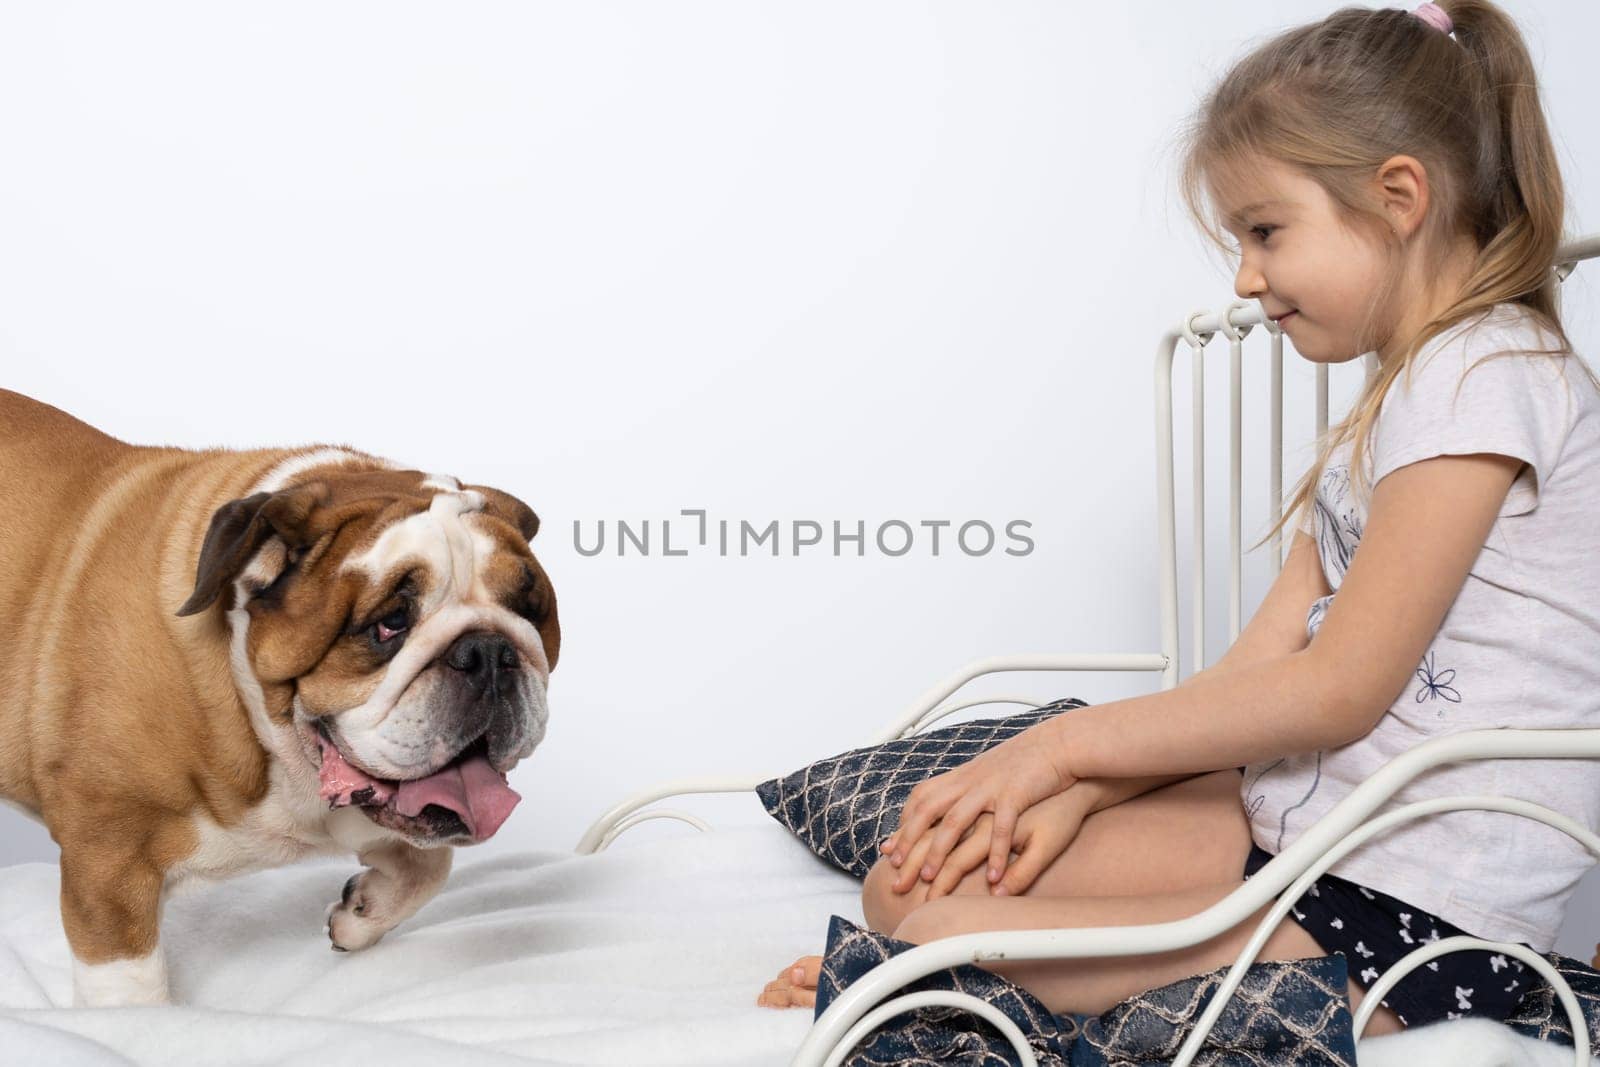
1339, 526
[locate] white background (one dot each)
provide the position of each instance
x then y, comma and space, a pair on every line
832, 261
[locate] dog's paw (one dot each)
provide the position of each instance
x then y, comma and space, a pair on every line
352, 922
397, 881
120, 983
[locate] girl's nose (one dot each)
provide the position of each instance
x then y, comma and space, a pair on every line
1248, 284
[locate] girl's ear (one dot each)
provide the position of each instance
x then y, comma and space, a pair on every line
1402, 188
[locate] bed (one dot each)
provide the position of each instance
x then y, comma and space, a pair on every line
652, 952
649, 953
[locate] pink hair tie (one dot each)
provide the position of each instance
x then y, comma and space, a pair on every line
1435, 16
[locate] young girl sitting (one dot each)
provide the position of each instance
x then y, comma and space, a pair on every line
1392, 185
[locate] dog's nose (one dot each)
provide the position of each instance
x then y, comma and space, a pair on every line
480, 655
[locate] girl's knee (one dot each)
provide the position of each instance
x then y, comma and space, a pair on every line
881, 906
944, 917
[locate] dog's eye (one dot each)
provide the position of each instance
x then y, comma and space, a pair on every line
531, 609
529, 602
390, 625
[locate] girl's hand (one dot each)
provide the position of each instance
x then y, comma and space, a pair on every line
1043, 833
1006, 780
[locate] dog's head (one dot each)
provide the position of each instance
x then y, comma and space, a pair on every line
415, 630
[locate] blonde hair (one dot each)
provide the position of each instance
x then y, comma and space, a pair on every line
1334, 100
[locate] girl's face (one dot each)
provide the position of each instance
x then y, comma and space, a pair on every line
1299, 260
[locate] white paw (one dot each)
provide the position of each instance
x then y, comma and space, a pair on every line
350, 922
120, 982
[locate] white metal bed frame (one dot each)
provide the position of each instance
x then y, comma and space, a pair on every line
858, 1010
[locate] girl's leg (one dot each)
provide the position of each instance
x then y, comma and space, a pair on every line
1182, 846
1190, 833
1094, 984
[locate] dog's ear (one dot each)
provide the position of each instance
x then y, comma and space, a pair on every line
240, 527
509, 508
546, 618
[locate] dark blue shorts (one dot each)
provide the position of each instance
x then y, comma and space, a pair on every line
1373, 930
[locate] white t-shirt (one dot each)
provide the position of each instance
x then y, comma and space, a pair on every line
1519, 647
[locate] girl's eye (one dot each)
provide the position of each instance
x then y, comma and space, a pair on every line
391, 624
1264, 230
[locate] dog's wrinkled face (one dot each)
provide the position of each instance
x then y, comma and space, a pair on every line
415, 629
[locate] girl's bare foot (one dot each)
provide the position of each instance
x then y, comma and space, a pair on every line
795, 986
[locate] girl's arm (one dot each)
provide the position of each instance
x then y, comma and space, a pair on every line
1392, 600
1109, 792
1277, 628
1394, 597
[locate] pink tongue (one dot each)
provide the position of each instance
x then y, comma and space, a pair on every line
471, 788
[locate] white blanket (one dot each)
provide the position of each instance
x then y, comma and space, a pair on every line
651, 953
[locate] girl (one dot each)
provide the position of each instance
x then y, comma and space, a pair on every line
1391, 182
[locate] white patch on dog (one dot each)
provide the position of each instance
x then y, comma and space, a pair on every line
354, 832
441, 481
279, 476
141, 980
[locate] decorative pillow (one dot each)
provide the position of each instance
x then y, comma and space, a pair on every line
1284, 1011
1539, 1014
844, 806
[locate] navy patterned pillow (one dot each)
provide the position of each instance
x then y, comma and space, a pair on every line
1539, 1014
1284, 1011
844, 806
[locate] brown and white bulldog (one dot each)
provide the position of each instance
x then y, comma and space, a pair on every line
215, 661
